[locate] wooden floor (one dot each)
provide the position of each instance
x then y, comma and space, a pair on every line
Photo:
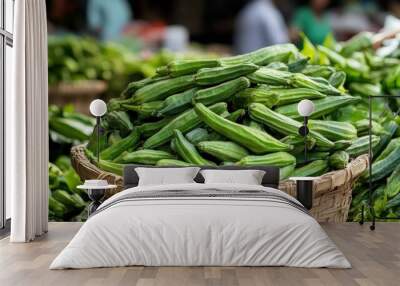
375, 257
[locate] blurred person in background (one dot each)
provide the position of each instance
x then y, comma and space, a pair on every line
107, 18
312, 20
259, 24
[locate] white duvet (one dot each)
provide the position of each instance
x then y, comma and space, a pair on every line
200, 231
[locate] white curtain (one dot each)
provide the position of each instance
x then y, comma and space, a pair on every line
27, 124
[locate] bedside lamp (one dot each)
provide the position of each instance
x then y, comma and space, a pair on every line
304, 185
98, 108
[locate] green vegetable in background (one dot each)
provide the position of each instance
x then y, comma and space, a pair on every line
258, 122
393, 183
363, 127
223, 150
286, 172
287, 96
283, 124
337, 79
221, 92
262, 94
188, 151
65, 200
71, 129
384, 167
173, 162
323, 106
361, 145
144, 156
334, 130
73, 58
186, 121
162, 89
339, 160
122, 145
184, 67
365, 89
319, 70
255, 140
393, 203
379, 200
144, 110
311, 156
118, 120
177, 103
211, 76
278, 159
264, 56
359, 42
315, 168
197, 135
270, 76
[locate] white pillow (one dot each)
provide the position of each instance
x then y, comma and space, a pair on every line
166, 176
247, 177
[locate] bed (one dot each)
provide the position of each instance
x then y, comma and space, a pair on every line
201, 224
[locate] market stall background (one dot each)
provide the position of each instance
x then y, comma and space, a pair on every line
84, 64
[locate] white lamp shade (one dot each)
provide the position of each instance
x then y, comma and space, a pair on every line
305, 107
98, 107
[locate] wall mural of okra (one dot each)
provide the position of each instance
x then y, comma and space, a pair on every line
242, 110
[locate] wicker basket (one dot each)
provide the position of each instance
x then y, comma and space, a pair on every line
331, 191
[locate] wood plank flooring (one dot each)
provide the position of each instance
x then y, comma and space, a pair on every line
375, 257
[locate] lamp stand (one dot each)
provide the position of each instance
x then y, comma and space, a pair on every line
98, 121
98, 108
305, 138
303, 131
